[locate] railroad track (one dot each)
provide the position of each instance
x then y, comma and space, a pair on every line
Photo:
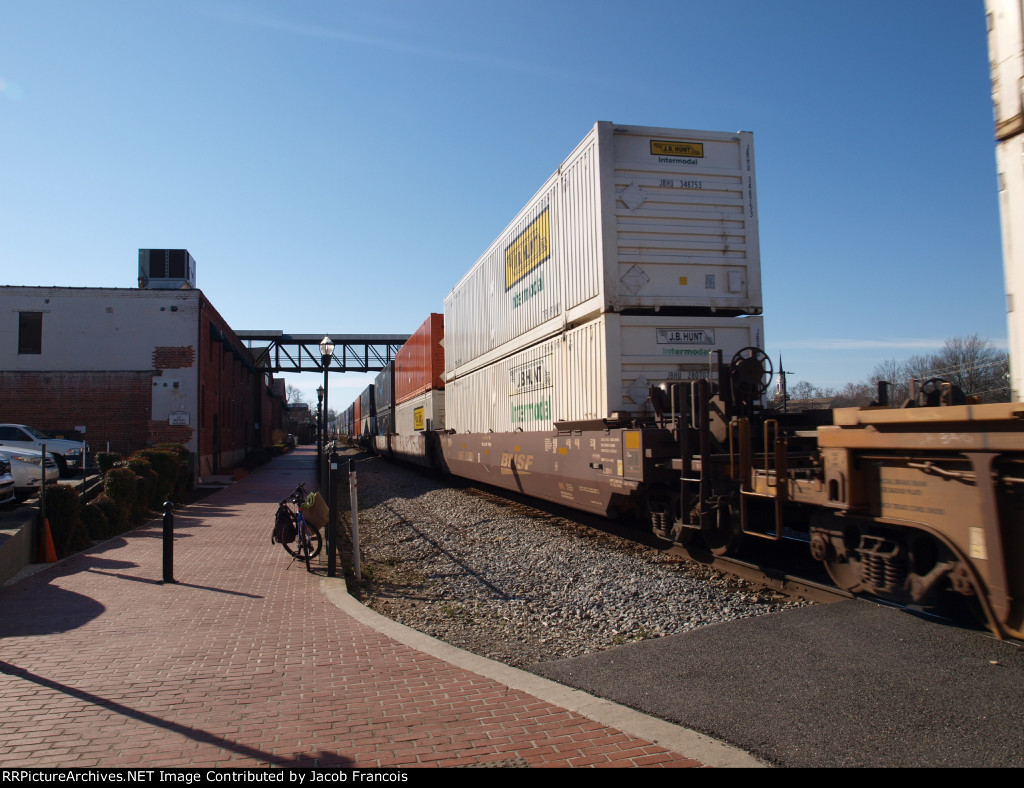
788, 577
780, 579
784, 568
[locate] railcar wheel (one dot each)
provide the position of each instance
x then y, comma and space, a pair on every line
843, 565
723, 533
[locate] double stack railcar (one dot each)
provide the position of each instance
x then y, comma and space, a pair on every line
606, 353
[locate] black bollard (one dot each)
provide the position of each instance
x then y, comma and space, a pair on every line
169, 542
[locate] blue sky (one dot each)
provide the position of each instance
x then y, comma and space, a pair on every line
337, 166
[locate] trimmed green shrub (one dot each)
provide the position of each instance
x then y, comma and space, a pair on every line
107, 460
175, 448
115, 512
63, 512
165, 465
95, 522
120, 484
184, 483
144, 489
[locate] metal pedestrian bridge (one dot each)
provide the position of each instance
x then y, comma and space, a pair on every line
281, 352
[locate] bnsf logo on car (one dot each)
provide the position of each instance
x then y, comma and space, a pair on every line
520, 462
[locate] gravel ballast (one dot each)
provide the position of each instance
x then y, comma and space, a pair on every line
523, 586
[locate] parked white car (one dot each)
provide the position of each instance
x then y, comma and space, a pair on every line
6, 482
68, 454
26, 470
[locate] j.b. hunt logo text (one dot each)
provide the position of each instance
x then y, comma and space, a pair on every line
686, 336
677, 152
529, 249
677, 148
526, 378
532, 376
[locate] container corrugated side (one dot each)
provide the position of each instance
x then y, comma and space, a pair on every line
367, 412
1009, 160
421, 413
419, 363
356, 418
686, 222
636, 218
603, 367
385, 421
383, 390
1006, 58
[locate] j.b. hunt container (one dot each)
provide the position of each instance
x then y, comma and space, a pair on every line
602, 369
636, 219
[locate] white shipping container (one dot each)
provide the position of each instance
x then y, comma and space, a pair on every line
1006, 55
1006, 58
602, 367
424, 412
1010, 163
636, 218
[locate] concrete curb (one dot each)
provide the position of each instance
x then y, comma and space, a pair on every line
674, 738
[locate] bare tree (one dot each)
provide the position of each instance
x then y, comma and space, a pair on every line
899, 374
854, 395
976, 366
295, 396
803, 390
972, 363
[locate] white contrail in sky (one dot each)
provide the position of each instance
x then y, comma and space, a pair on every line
240, 15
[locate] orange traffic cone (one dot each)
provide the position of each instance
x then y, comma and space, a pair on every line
47, 553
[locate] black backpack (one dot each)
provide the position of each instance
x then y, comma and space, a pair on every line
284, 526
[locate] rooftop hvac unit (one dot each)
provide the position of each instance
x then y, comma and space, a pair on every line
166, 269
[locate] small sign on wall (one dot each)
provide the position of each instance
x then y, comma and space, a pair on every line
179, 418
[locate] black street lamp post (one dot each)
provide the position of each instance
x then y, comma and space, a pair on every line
319, 428
326, 354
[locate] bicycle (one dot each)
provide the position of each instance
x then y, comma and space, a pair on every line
295, 535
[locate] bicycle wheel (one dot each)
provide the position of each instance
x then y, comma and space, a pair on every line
315, 541
307, 539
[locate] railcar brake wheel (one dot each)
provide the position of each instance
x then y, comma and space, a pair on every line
751, 372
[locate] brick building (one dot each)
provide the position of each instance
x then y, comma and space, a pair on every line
135, 367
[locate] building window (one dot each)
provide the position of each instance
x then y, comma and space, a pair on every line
30, 333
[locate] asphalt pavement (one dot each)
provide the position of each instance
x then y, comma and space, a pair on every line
848, 684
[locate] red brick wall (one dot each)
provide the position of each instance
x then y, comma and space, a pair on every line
117, 406
113, 406
162, 432
173, 357
230, 391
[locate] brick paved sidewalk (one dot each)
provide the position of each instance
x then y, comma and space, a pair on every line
245, 662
